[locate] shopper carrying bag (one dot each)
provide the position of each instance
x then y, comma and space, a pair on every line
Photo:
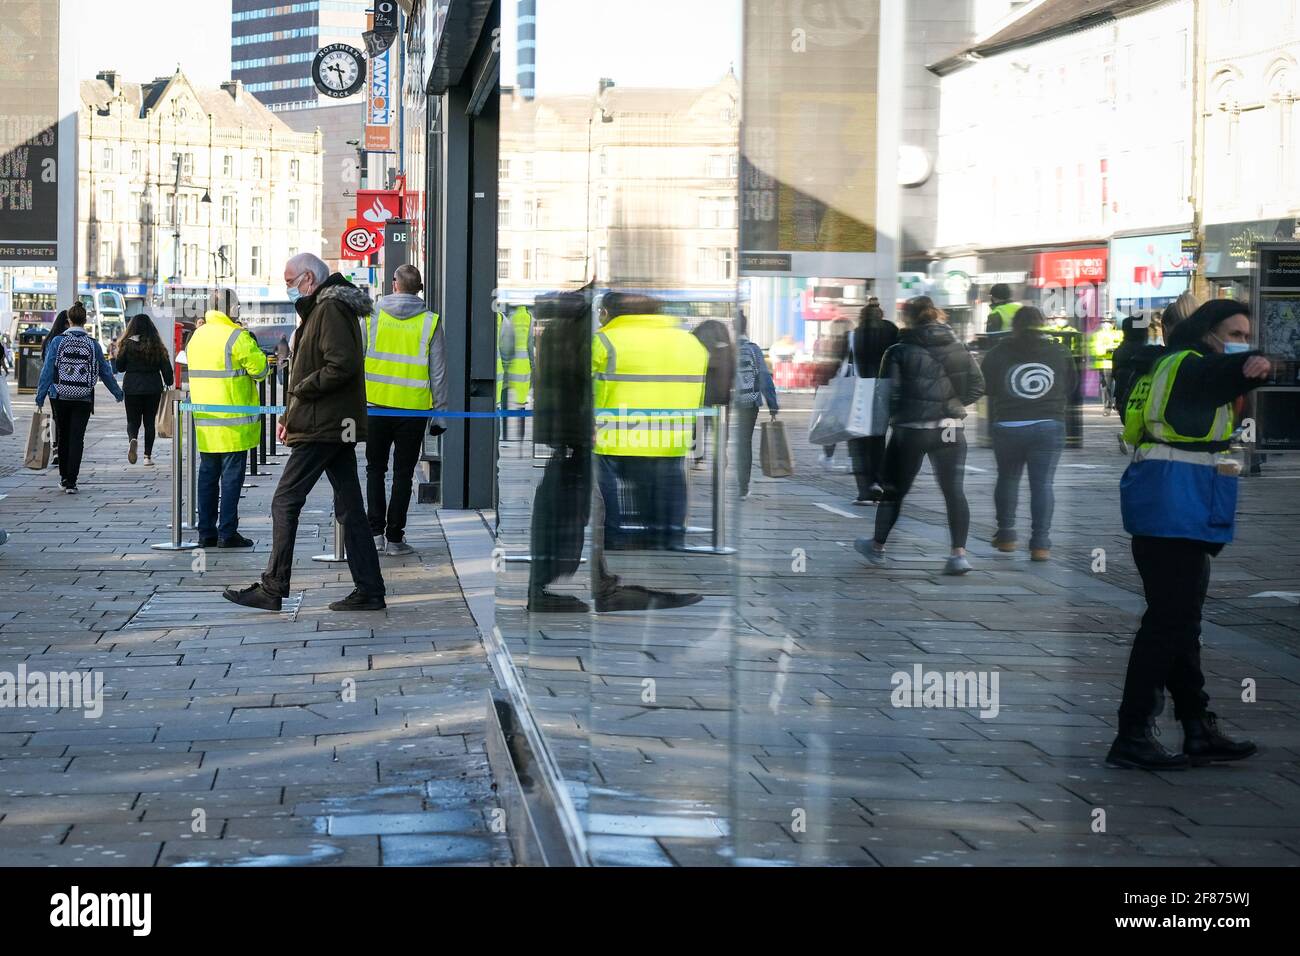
37, 454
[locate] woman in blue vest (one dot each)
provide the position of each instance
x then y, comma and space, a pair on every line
1178, 499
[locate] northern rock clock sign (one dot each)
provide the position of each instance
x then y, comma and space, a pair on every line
339, 70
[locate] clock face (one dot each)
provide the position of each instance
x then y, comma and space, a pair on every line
339, 70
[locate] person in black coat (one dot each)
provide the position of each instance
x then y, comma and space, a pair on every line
146, 369
870, 340
935, 378
1031, 378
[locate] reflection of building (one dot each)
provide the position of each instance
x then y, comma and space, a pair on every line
1058, 132
635, 188
138, 227
272, 45
1248, 179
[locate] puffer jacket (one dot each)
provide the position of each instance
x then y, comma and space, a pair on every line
326, 397
935, 377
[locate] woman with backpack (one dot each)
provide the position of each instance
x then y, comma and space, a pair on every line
754, 386
935, 378
58, 328
73, 363
146, 373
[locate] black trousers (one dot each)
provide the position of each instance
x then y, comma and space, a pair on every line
307, 462
907, 448
561, 509
404, 437
70, 421
1167, 649
868, 457
142, 409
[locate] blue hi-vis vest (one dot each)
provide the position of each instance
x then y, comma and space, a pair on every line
1175, 492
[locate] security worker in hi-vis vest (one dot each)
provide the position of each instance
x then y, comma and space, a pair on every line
1178, 498
649, 375
1003, 309
225, 365
406, 368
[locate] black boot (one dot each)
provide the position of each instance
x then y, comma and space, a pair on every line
1203, 743
1136, 748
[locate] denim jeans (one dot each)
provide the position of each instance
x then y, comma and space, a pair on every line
645, 502
1039, 448
220, 471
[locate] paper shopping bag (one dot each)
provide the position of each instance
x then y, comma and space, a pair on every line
164, 423
774, 451
37, 454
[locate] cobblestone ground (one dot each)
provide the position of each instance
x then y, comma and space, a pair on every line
759, 726
229, 737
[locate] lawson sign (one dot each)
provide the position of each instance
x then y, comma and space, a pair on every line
379, 103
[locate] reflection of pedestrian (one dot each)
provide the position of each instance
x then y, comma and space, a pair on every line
644, 361
562, 421
719, 379
754, 386
1030, 379
871, 339
1178, 498
282, 360
934, 379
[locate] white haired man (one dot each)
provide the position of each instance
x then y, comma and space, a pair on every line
324, 419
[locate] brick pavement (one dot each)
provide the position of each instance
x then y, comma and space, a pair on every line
228, 738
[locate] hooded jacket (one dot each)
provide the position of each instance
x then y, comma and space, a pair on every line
326, 397
404, 305
1030, 377
934, 376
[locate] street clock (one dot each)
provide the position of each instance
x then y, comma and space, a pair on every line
339, 70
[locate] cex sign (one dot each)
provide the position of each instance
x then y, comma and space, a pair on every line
377, 206
360, 240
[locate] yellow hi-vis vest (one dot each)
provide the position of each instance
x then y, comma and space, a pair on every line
519, 373
1144, 414
1104, 342
397, 360
501, 366
649, 366
1006, 312
225, 363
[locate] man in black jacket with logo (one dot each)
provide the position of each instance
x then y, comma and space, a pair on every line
1030, 378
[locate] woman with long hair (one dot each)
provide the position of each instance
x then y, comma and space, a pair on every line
60, 326
935, 378
146, 368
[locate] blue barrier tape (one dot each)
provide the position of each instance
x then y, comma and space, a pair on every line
429, 413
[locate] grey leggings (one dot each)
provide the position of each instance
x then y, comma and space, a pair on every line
907, 448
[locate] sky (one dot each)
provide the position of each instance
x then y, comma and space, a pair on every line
693, 41
143, 39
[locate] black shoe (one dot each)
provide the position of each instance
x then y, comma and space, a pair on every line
234, 541
1202, 742
543, 601
253, 596
207, 542
356, 601
1136, 748
632, 597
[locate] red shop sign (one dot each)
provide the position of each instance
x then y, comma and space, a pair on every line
1070, 268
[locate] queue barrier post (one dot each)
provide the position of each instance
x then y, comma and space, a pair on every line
340, 547
176, 543
718, 545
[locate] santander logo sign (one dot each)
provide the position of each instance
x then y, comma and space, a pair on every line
377, 206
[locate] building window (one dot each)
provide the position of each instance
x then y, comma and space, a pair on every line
255, 262
187, 164
227, 209
603, 157
528, 169
733, 165
136, 208
293, 212
503, 214
541, 263
503, 263
527, 267
135, 160
717, 166
105, 258
133, 263
602, 263
602, 210
255, 209
503, 169
227, 165
293, 251
106, 159
105, 210
295, 168
257, 167
528, 213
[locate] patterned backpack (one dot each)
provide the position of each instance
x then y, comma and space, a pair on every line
75, 369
